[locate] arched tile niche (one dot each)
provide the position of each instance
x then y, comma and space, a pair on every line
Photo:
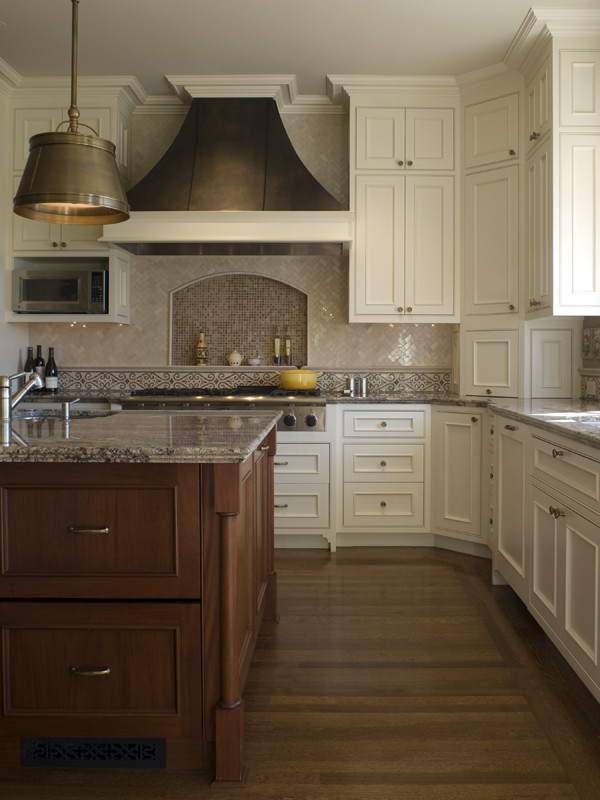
237, 312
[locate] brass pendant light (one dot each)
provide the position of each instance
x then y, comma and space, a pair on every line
71, 178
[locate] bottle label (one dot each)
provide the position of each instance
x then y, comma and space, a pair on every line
51, 382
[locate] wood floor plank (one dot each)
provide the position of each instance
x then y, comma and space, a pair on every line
394, 674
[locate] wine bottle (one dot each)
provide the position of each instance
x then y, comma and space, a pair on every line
40, 365
201, 351
51, 372
29, 365
287, 349
277, 349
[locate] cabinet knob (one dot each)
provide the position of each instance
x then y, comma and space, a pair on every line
474, 419
54, 244
401, 163
511, 307
557, 453
383, 464
488, 391
555, 512
510, 428
63, 244
409, 309
400, 309
512, 153
533, 303
533, 136
409, 163
383, 424
383, 504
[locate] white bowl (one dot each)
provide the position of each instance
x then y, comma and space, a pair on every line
254, 362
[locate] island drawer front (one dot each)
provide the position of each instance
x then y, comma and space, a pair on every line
296, 463
568, 471
303, 505
147, 658
396, 506
106, 532
384, 423
383, 462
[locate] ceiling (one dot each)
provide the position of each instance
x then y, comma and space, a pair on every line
310, 39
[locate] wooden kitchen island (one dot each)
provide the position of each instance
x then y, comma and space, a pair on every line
137, 566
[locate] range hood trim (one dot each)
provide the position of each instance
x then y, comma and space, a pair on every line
231, 227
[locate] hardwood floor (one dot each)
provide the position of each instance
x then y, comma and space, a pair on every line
393, 674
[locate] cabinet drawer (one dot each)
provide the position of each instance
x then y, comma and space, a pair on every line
299, 463
572, 473
102, 664
381, 462
385, 423
97, 530
390, 506
303, 505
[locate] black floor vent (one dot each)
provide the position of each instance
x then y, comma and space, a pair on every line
125, 753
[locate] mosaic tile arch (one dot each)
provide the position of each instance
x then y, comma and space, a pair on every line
237, 311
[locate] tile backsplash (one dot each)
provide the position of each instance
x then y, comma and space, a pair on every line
331, 340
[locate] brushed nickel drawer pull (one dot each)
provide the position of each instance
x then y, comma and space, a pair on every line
280, 463
383, 504
510, 428
281, 505
557, 453
555, 512
77, 529
474, 419
90, 673
264, 447
384, 424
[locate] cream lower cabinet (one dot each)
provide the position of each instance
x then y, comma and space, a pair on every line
511, 551
383, 465
302, 483
457, 474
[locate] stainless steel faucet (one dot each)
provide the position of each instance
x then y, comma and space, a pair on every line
8, 401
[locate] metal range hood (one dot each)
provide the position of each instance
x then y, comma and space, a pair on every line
231, 182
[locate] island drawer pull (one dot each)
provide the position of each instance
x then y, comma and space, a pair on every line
264, 447
281, 505
280, 463
556, 453
77, 529
90, 673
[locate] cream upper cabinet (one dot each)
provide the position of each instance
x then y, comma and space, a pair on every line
579, 88
539, 104
491, 362
404, 248
404, 138
491, 131
491, 255
538, 224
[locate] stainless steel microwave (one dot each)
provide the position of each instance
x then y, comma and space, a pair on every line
76, 290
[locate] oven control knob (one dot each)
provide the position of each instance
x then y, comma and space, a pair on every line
311, 420
289, 420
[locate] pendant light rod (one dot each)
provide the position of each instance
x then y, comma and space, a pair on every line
73, 110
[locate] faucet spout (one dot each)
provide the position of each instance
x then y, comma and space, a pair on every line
8, 401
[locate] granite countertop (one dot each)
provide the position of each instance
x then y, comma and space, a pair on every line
138, 437
576, 419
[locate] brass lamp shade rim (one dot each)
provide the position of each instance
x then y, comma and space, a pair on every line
71, 178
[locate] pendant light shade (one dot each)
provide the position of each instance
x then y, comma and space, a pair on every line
71, 178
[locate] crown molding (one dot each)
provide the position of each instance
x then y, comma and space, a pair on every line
541, 24
9, 78
497, 76
340, 87
282, 88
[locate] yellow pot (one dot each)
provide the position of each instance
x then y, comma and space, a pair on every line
298, 379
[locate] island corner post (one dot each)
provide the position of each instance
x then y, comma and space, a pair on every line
238, 490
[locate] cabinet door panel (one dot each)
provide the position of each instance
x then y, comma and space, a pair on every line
539, 104
379, 275
492, 241
579, 87
577, 283
303, 505
492, 131
511, 471
582, 589
302, 463
377, 462
430, 138
539, 229
492, 363
546, 557
384, 423
429, 279
379, 138
396, 507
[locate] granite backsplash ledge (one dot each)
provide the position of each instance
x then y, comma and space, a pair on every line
112, 383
